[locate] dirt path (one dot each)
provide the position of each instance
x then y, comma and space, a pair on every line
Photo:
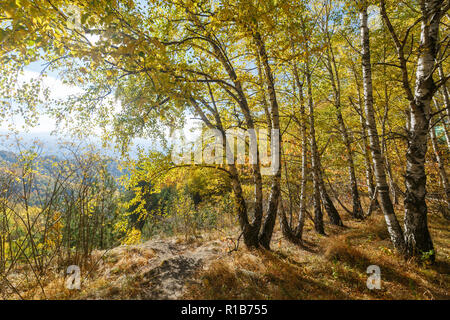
175, 266
163, 267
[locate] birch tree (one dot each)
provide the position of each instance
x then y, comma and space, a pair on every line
418, 241
392, 223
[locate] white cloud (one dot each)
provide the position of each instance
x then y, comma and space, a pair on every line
57, 90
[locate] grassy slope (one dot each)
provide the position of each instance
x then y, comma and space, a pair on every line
330, 267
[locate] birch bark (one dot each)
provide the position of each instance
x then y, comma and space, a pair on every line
395, 231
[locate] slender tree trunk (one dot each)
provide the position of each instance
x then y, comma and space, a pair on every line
365, 144
442, 172
357, 211
446, 96
447, 133
328, 204
445, 92
250, 237
384, 148
384, 152
393, 225
367, 160
318, 215
302, 209
295, 234
286, 226
275, 192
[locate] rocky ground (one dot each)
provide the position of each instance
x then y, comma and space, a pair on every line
156, 269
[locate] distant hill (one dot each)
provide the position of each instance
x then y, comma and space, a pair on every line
9, 157
55, 145
47, 173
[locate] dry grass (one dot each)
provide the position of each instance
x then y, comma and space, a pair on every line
110, 275
331, 267
326, 267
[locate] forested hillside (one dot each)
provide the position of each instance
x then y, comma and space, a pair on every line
293, 149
